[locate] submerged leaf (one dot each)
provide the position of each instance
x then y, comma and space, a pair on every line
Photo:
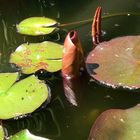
35, 56
36, 26
26, 135
21, 97
117, 124
116, 62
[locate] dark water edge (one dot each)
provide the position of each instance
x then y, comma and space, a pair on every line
60, 120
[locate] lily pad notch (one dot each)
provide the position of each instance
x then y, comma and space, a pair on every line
20, 97
114, 63
35, 26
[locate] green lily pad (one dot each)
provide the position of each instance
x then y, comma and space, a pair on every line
22, 97
36, 26
1, 133
35, 56
26, 135
116, 63
117, 124
7, 80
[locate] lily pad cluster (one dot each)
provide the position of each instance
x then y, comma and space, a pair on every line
25, 96
32, 57
114, 63
19, 97
28, 94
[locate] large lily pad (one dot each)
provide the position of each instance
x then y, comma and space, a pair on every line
26, 135
117, 124
116, 62
36, 26
35, 56
22, 97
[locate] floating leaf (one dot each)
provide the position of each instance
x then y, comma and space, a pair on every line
116, 62
7, 80
26, 135
21, 97
1, 133
117, 124
32, 57
36, 26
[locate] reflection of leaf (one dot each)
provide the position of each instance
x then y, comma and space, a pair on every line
117, 124
26, 135
21, 98
36, 26
32, 57
44, 122
118, 62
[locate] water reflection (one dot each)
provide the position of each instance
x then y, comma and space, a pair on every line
43, 122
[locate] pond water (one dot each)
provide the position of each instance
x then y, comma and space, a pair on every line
60, 120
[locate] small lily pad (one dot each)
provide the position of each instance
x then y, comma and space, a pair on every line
1, 133
116, 63
35, 56
117, 124
36, 26
22, 97
26, 135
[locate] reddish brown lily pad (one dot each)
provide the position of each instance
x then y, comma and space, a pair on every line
117, 124
116, 63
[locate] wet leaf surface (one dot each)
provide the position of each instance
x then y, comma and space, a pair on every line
35, 56
22, 97
7, 80
116, 63
1, 133
25, 135
117, 124
36, 26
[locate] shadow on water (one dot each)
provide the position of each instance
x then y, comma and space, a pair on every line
60, 120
